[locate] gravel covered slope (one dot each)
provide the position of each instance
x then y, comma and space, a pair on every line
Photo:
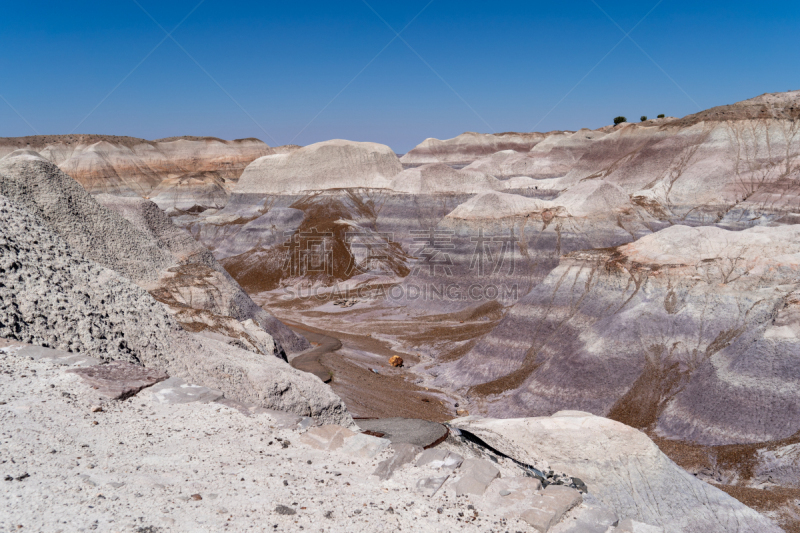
41, 188
134, 238
51, 296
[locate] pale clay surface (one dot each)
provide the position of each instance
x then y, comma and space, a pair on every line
138, 463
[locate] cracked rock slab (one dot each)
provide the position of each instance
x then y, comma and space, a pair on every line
329, 438
176, 390
430, 485
59, 357
560, 499
119, 380
365, 446
477, 474
509, 497
404, 453
632, 526
439, 458
422, 433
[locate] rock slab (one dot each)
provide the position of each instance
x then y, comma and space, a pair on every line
119, 380
422, 433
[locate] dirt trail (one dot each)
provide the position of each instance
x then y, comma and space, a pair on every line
309, 361
369, 388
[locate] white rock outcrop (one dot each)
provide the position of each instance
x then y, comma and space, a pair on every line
623, 468
192, 193
438, 178
470, 146
335, 164
586, 199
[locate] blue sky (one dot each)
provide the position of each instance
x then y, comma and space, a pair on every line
305, 71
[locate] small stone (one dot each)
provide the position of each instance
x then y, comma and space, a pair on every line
462, 412
96, 409
196, 497
396, 361
23, 476
505, 492
329, 514
282, 509
285, 483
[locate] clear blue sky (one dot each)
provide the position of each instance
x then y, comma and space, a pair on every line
476, 65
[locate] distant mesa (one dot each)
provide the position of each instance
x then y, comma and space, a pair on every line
128, 166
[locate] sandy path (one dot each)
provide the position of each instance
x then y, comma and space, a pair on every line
356, 366
309, 361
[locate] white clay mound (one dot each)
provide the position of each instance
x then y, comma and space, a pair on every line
335, 164
494, 205
684, 245
440, 178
